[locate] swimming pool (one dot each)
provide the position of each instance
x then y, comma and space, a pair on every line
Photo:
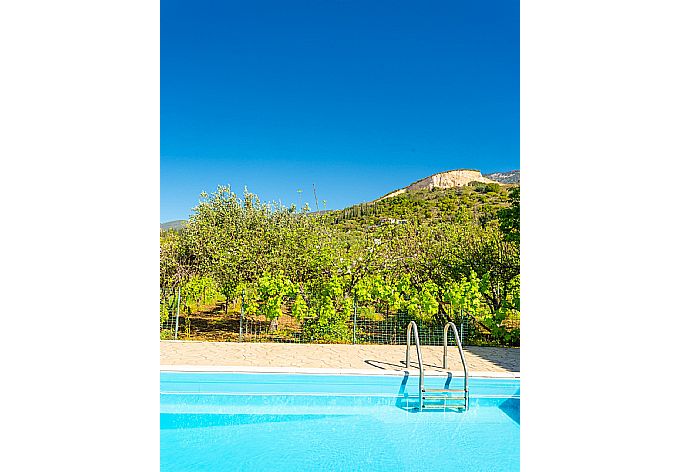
317, 422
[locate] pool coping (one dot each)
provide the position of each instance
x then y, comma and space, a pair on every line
330, 371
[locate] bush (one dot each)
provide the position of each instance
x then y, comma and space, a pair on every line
496, 188
481, 187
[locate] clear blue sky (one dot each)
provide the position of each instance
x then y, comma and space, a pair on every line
357, 97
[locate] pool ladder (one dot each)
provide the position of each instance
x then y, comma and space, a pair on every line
435, 395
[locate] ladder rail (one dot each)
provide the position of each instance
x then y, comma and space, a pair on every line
450, 324
412, 326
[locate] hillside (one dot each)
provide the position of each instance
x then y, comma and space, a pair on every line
443, 180
480, 201
444, 196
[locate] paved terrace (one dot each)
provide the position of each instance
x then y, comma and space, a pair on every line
480, 360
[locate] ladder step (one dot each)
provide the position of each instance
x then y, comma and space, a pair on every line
442, 397
443, 407
444, 390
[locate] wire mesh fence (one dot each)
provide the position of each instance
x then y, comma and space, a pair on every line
217, 324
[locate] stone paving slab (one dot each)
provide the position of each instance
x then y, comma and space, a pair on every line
334, 356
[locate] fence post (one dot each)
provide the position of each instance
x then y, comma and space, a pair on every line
177, 317
462, 326
354, 324
241, 314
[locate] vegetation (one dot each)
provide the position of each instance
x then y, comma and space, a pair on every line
435, 255
510, 217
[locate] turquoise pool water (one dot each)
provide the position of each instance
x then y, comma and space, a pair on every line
311, 422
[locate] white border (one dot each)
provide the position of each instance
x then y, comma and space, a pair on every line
329, 371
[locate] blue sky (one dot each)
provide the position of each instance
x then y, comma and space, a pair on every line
356, 97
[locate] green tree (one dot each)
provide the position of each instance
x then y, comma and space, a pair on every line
510, 217
446, 254
272, 291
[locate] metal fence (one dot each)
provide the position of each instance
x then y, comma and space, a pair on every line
215, 325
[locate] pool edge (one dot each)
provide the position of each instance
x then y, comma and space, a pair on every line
329, 371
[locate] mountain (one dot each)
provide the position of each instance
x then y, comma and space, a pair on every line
177, 224
511, 177
443, 180
446, 196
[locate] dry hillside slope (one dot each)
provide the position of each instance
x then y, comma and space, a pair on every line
449, 179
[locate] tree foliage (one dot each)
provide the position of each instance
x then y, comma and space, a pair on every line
510, 217
463, 260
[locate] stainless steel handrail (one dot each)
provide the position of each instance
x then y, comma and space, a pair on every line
411, 325
445, 353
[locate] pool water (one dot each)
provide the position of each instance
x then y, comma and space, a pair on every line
310, 422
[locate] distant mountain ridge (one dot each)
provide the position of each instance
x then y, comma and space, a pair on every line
176, 224
510, 177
